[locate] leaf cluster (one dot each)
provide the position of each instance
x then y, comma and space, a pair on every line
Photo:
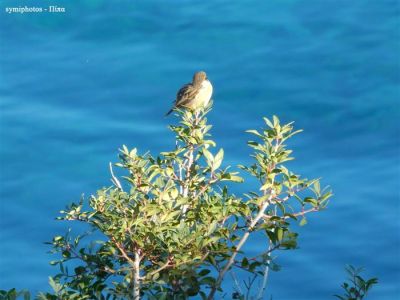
356, 287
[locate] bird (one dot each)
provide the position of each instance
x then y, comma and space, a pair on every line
195, 94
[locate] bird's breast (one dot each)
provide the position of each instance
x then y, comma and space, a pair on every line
204, 94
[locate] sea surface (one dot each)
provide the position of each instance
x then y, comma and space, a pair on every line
75, 86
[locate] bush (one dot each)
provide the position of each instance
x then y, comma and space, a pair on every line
172, 229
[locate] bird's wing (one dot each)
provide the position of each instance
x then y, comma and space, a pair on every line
185, 95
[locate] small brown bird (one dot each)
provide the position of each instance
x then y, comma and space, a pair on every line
195, 94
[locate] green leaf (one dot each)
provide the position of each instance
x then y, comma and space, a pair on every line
155, 276
54, 285
66, 254
208, 280
58, 238
279, 234
255, 132
209, 157
253, 266
80, 270
271, 236
204, 272
235, 178
27, 295
245, 263
210, 142
276, 121
266, 186
317, 187
218, 159
312, 201
268, 122
303, 221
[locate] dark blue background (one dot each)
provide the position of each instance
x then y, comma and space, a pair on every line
76, 86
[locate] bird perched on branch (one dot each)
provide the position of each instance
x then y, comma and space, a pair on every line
195, 94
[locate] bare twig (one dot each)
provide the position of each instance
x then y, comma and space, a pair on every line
260, 294
114, 179
251, 282
236, 282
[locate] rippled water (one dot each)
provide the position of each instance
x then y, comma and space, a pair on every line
76, 86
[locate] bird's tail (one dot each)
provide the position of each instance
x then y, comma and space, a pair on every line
170, 111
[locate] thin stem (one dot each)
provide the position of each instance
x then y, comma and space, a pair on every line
265, 277
136, 277
180, 179
270, 249
164, 266
124, 253
249, 286
236, 282
114, 179
301, 213
204, 189
188, 166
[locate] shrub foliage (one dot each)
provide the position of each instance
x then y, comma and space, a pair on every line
170, 228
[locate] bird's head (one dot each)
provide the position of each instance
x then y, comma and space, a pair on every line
199, 77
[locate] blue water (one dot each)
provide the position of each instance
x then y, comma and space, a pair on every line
76, 86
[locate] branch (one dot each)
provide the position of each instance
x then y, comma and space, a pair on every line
250, 285
169, 263
291, 193
239, 246
164, 266
189, 163
236, 282
180, 179
204, 189
123, 252
265, 277
301, 213
136, 277
115, 179
244, 238
270, 249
